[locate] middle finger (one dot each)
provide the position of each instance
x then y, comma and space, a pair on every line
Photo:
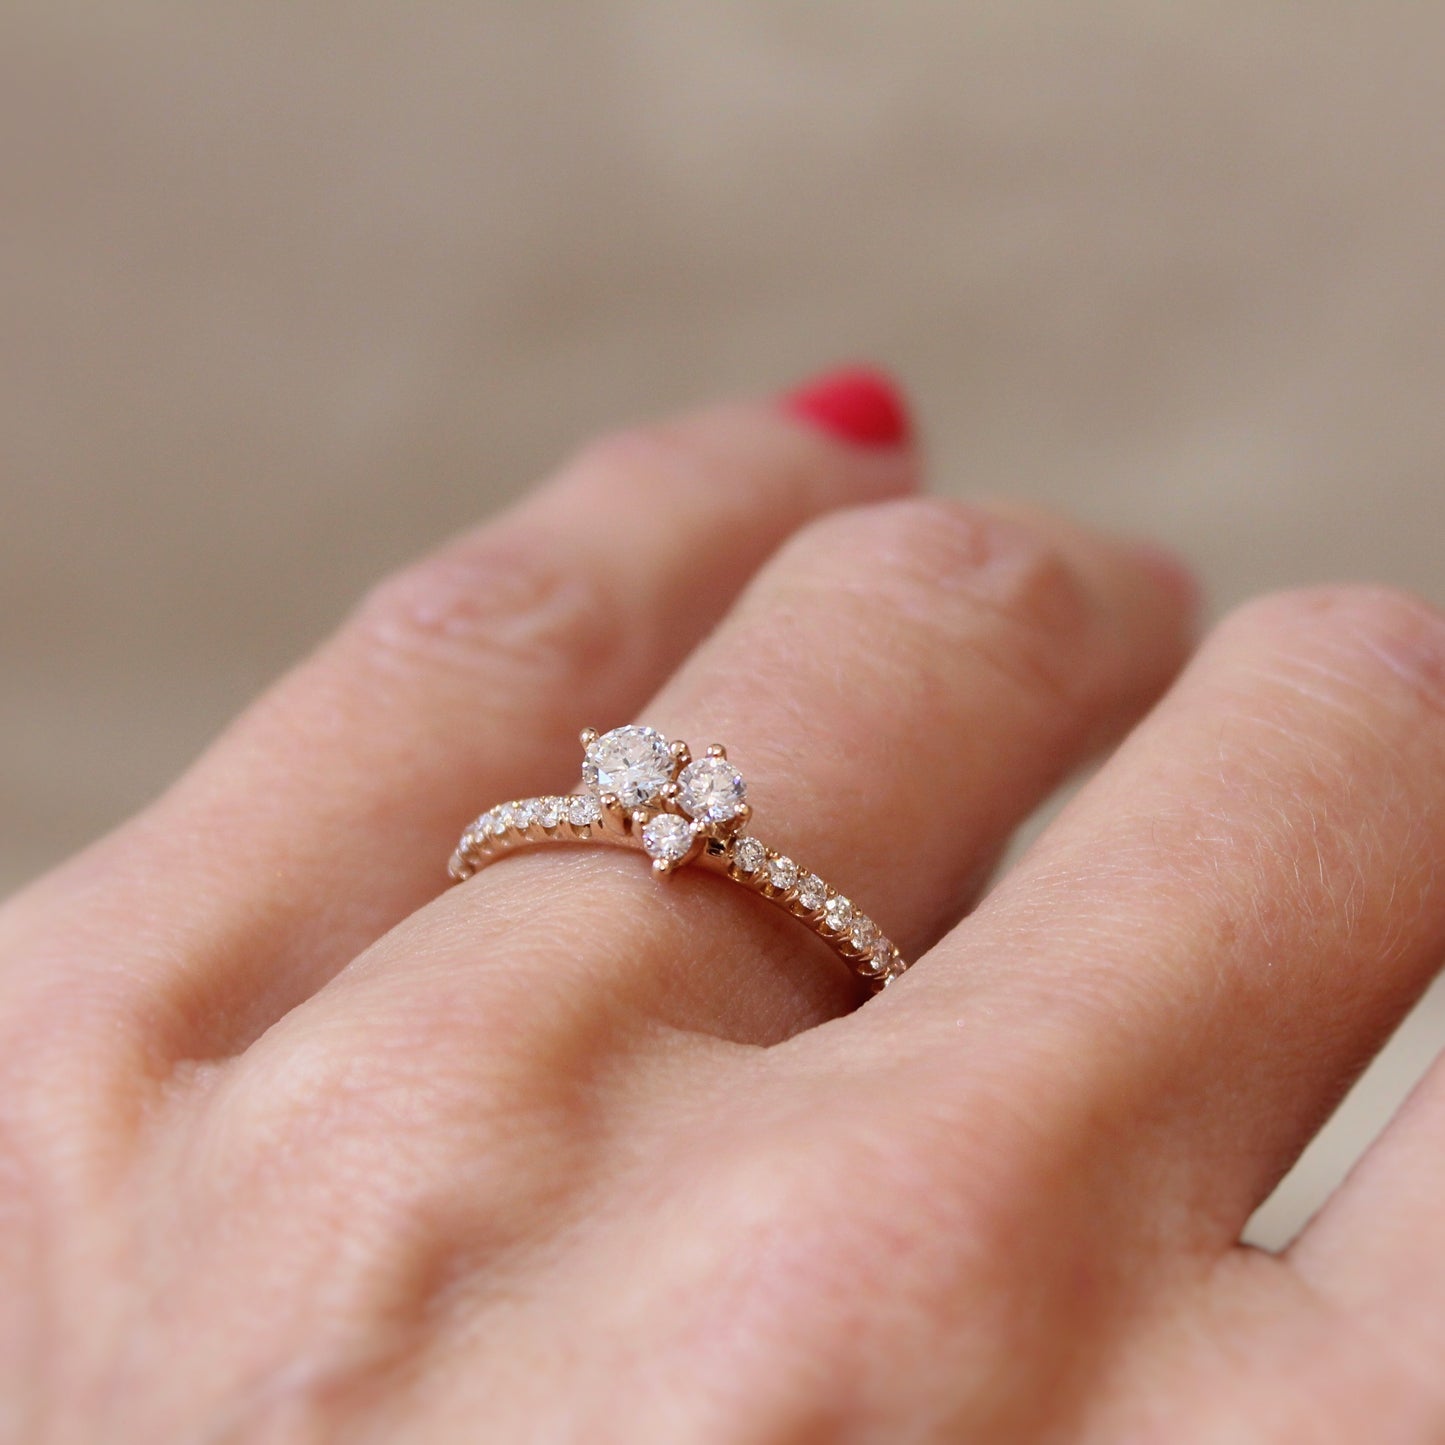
1193, 962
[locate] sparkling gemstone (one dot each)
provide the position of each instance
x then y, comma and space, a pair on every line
518, 815
782, 873
549, 811
583, 809
633, 762
667, 837
750, 855
863, 932
497, 822
838, 912
882, 959
812, 892
711, 790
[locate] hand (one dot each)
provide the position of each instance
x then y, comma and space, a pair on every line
296, 1146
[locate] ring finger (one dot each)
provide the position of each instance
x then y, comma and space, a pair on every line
900, 686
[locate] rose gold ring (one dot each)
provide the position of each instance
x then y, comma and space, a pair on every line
641, 791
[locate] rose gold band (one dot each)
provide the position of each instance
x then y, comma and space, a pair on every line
644, 793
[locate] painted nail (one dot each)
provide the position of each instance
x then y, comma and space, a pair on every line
855, 404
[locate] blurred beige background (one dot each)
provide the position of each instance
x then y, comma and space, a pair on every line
288, 291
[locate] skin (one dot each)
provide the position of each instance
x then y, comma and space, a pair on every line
296, 1146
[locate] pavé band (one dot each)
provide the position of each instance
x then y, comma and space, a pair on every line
641, 791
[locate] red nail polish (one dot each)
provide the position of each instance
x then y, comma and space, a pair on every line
855, 404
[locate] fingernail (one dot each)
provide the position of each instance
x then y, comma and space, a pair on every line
855, 404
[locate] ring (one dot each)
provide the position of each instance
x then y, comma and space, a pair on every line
641, 791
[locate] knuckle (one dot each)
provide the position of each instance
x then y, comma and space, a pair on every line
1374, 642
325, 1103
962, 574
889, 1238
491, 601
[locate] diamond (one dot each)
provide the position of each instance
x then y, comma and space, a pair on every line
518, 815
863, 932
494, 824
711, 790
750, 855
583, 809
636, 763
782, 872
667, 837
838, 912
812, 892
549, 811
879, 961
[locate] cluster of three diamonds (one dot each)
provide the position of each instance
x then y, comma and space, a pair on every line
676, 804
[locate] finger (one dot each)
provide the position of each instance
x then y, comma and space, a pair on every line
1374, 1252
326, 813
899, 687
1191, 965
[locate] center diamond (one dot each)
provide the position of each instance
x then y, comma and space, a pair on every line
633, 762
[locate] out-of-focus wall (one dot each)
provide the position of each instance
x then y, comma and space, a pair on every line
289, 291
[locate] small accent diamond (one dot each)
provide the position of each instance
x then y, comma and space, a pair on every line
518, 815
549, 812
711, 790
838, 912
633, 762
667, 837
863, 932
782, 872
812, 892
750, 855
583, 809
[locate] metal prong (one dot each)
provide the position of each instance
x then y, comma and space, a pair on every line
610, 802
671, 790
716, 750
661, 866
588, 737
744, 812
681, 754
639, 818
